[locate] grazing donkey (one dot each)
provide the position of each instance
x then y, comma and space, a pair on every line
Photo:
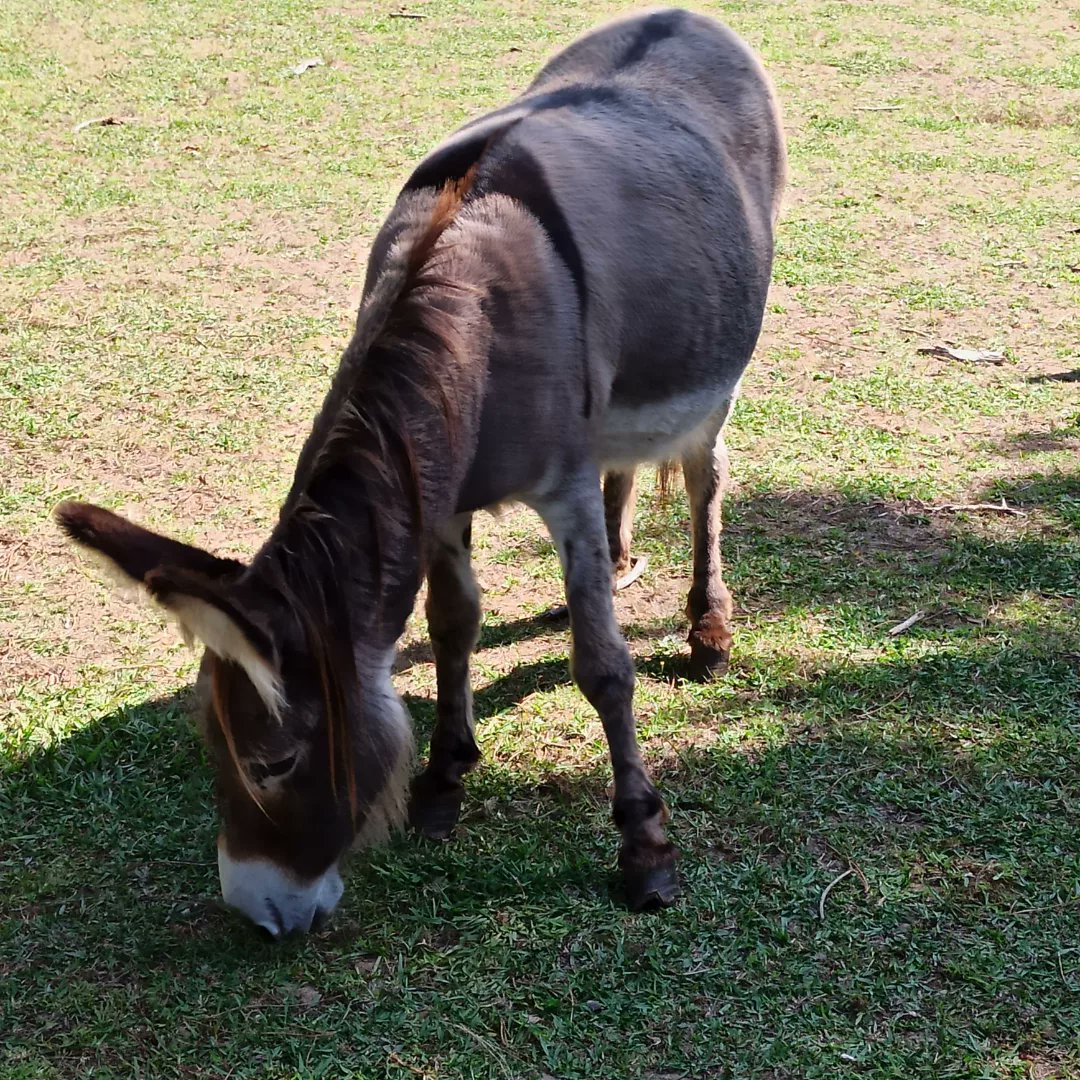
570, 284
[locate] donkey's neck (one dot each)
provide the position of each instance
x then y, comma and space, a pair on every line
390, 449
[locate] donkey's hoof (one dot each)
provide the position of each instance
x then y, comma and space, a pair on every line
652, 888
651, 876
709, 658
434, 809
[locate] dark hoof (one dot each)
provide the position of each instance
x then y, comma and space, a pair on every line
434, 809
707, 663
652, 888
650, 874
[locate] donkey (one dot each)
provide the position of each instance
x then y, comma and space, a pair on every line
567, 287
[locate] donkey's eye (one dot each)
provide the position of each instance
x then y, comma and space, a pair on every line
261, 772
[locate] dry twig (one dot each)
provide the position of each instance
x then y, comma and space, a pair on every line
907, 624
977, 508
829, 888
840, 344
100, 121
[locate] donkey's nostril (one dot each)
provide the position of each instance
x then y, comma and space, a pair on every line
274, 901
280, 924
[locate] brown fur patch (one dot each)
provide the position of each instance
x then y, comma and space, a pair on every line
446, 208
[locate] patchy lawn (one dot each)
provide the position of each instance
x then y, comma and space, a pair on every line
174, 291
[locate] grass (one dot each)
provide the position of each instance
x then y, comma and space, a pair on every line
173, 294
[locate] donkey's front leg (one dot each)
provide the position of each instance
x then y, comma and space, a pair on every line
453, 614
602, 668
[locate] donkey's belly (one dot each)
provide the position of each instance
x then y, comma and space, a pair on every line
633, 433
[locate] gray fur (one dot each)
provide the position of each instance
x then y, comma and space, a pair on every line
571, 284
621, 221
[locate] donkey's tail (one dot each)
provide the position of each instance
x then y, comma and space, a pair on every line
666, 474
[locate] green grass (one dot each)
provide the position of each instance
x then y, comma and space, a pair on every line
174, 291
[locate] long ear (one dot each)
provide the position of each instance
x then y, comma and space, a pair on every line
131, 551
200, 590
218, 618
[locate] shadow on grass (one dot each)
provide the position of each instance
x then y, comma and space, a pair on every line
946, 785
805, 547
942, 778
492, 636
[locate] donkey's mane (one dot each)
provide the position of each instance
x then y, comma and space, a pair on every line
364, 454
399, 351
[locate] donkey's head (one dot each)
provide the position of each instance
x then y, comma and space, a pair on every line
297, 782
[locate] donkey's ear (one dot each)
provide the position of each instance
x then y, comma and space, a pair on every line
197, 588
218, 616
133, 552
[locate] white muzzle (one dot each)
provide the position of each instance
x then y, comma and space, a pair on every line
272, 899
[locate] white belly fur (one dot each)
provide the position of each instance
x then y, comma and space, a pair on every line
661, 431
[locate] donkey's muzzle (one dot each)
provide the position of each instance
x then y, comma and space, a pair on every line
273, 899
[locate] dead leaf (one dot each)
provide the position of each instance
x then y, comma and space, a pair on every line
307, 997
969, 356
306, 65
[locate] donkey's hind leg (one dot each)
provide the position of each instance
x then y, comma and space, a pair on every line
708, 607
453, 614
620, 495
604, 671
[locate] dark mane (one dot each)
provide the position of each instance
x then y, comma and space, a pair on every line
393, 414
400, 349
